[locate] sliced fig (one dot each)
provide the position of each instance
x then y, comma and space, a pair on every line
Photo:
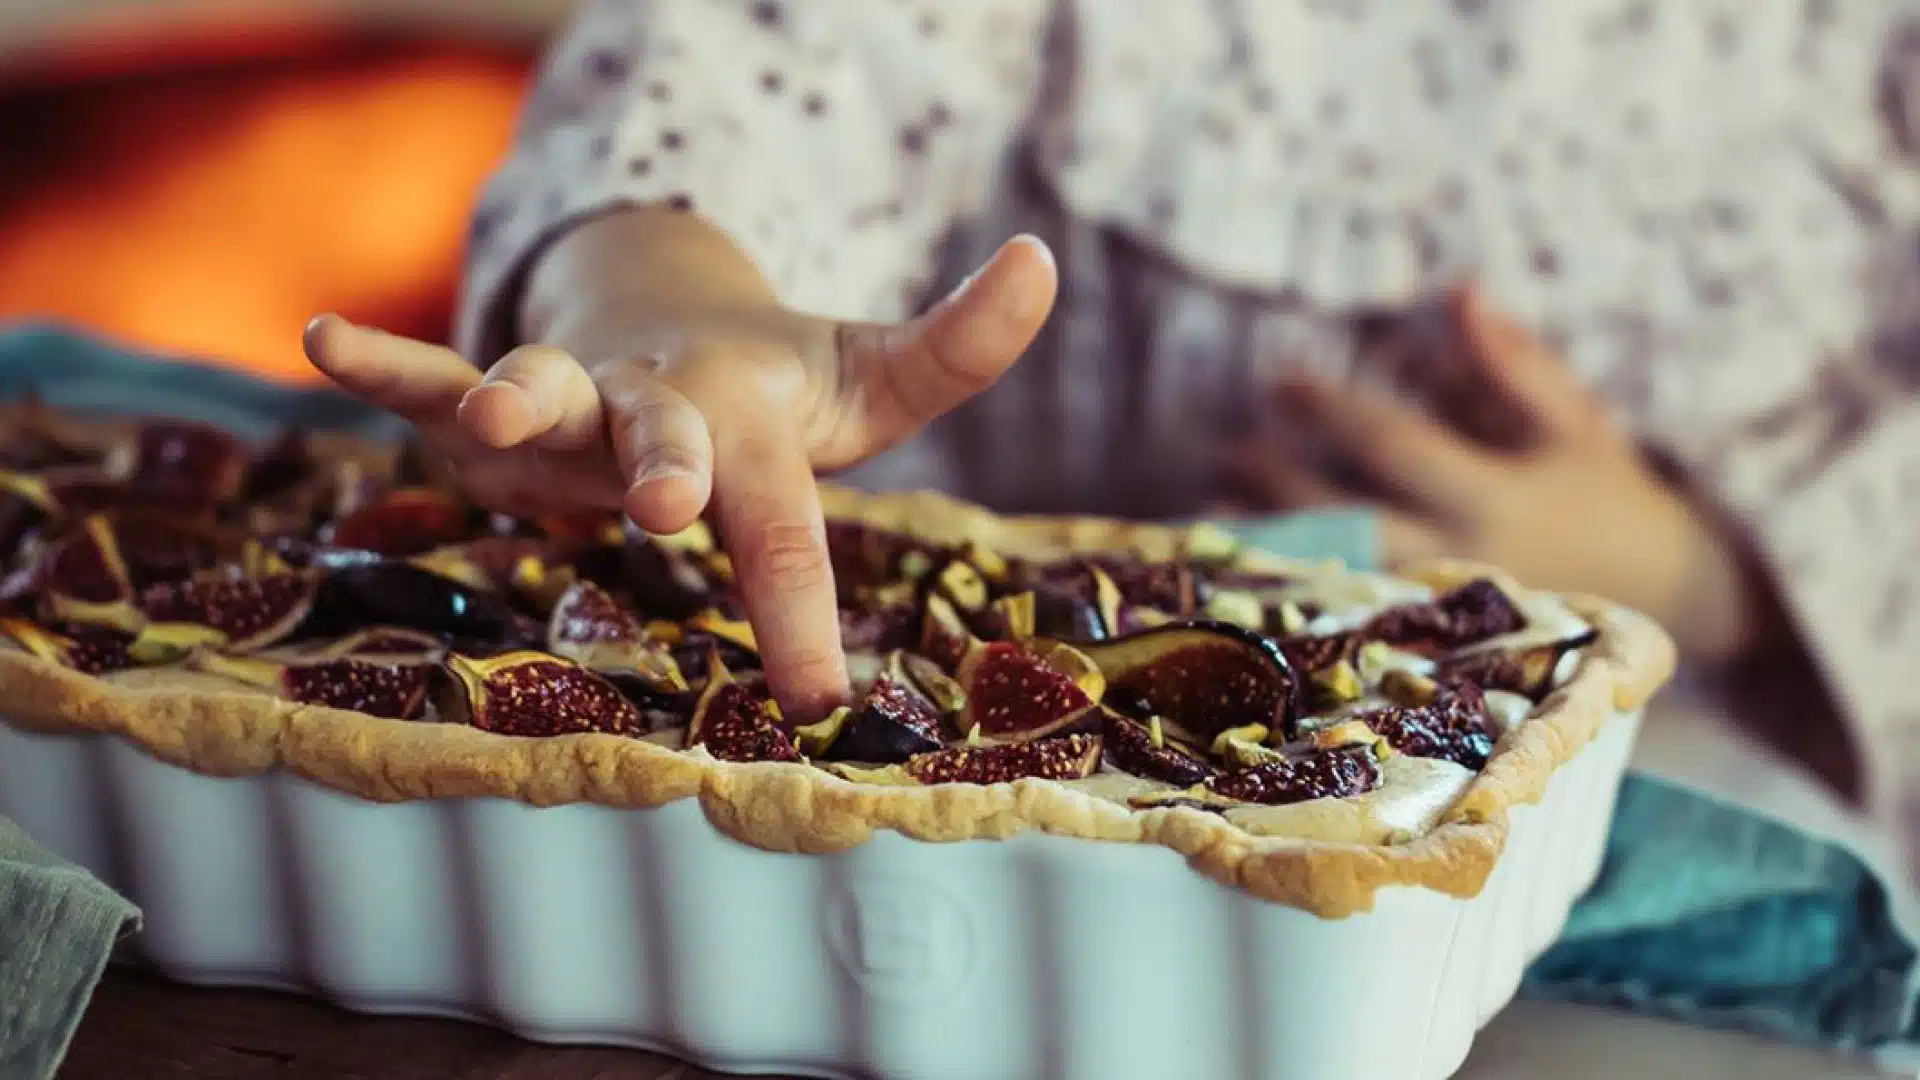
385, 644
948, 697
85, 580
737, 722
1455, 726
944, 636
90, 651
1017, 694
864, 556
1297, 776
1065, 593
253, 613
1314, 653
159, 546
664, 583
169, 642
893, 722
879, 629
1144, 749
393, 691
589, 626
1532, 672
535, 695
375, 591
279, 467
1069, 757
1204, 676
1465, 616
408, 521
186, 464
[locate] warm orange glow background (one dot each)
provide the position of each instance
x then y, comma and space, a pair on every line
209, 208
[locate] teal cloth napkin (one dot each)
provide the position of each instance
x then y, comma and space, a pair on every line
1702, 911
58, 925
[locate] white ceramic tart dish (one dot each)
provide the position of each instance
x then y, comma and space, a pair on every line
1272, 820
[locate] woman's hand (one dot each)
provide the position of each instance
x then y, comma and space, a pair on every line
667, 380
1574, 508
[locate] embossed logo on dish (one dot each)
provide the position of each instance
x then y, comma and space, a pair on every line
903, 939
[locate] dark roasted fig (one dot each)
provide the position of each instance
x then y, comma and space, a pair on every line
1454, 726
410, 521
535, 695
893, 722
1204, 676
276, 469
253, 613
1065, 593
1296, 776
393, 691
737, 722
186, 465
1065, 616
385, 644
1465, 616
1146, 750
90, 651
84, 578
879, 629
1313, 653
1016, 693
1531, 672
664, 583
589, 626
494, 563
1070, 757
158, 546
390, 593
944, 636
865, 556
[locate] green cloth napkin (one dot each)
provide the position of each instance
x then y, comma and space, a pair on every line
58, 925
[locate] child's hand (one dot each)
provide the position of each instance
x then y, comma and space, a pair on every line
656, 406
1575, 509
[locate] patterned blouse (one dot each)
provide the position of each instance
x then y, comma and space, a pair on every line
1709, 206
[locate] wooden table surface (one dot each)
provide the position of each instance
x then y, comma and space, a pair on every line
143, 1028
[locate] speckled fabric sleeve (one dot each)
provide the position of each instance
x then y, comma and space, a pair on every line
835, 142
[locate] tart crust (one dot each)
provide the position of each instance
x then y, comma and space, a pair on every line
208, 725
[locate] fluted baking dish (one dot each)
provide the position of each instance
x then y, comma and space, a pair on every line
1035, 955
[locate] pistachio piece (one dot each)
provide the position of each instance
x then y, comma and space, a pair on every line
1336, 685
1404, 687
814, 740
1238, 608
1246, 733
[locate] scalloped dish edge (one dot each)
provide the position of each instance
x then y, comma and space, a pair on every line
796, 808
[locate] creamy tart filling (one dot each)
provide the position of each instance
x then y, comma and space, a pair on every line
1200, 676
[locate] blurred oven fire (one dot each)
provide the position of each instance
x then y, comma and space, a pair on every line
202, 194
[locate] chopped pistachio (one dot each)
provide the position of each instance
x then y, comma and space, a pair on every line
963, 585
1292, 619
1252, 733
915, 565
1238, 608
1155, 733
989, 562
1338, 683
722, 566
1018, 611
1404, 687
814, 739
1206, 542
164, 643
973, 735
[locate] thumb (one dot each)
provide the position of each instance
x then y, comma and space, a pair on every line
908, 374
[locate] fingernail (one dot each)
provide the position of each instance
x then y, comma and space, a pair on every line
310, 337
660, 471
1039, 247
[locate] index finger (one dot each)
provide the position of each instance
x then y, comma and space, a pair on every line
776, 534
419, 382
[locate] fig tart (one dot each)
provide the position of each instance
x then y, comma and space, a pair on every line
1302, 731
